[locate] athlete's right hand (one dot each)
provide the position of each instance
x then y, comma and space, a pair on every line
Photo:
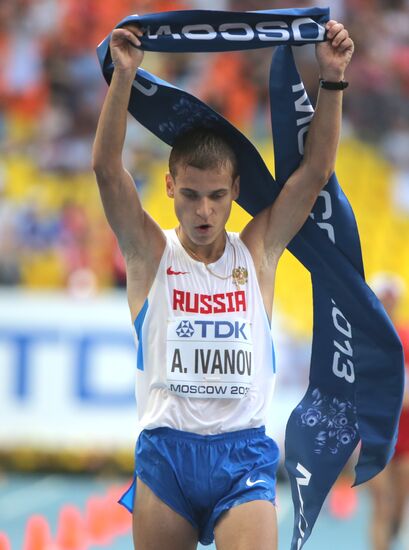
125, 48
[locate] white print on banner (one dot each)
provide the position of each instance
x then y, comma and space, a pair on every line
148, 91
342, 366
303, 481
209, 358
302, 105
265, 31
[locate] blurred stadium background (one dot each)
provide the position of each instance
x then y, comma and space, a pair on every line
66, 347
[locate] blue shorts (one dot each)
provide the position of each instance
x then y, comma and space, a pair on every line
202, 476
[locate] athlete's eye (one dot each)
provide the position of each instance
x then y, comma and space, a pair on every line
189, 194
218, 195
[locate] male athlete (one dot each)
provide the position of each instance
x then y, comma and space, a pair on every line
201, 301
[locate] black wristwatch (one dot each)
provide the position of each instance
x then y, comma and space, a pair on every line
328, 85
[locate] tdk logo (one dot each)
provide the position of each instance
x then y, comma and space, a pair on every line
212, 329
302, 28
185, 329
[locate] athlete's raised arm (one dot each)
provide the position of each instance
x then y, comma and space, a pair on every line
269, 232
140, 238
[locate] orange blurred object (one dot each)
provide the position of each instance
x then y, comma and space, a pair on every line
71, 533
4, 542
37, 535
343, 500
98, 521
226, 87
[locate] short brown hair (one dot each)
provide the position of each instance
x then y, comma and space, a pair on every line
202, 148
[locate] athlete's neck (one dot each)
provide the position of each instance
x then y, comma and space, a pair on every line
207, 253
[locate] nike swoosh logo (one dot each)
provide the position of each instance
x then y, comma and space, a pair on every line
250, 483
170, 271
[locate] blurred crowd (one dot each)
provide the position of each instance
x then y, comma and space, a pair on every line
51, 91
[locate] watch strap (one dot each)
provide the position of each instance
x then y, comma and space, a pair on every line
328, 85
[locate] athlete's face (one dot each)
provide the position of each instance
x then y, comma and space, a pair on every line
203, 201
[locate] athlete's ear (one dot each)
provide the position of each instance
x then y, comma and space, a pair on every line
236, 188
170, 185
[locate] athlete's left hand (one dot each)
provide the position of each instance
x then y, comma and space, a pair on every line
334, 55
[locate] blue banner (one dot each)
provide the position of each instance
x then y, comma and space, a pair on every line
214, 31
356, 375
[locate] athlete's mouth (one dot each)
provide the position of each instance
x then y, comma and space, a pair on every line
204, 227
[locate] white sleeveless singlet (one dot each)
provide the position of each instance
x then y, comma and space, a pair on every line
205, 361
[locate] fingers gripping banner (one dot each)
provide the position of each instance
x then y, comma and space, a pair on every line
356, 372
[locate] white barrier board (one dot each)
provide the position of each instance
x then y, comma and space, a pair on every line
67, 370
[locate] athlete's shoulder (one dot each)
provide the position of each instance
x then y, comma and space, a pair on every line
234, 237
170, 234
236, 240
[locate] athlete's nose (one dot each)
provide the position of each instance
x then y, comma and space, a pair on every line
204, 208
